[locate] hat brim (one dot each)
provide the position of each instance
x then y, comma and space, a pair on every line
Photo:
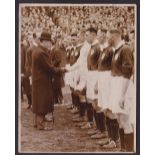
46, 39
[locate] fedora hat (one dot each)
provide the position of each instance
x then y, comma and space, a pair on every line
45, 36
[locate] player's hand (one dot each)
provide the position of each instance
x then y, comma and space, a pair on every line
63, 70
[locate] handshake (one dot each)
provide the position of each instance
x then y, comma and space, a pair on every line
65, 69
60, 70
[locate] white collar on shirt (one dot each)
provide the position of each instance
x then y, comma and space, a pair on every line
34, 43
68, 47
74, 47
80, 44
86, 42
122, 42
95, 42
104, 45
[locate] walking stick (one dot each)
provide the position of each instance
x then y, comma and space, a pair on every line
53, 116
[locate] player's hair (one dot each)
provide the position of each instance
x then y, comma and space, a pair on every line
132, 31
34, 35
115, 31
92, 30
74, 35
104, 30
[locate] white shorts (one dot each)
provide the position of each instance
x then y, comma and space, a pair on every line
81, 76
91, 84
71, 81
75, 78
130, 102
104, 89
118, 88
67, 77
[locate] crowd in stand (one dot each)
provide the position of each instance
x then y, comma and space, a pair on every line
62, 21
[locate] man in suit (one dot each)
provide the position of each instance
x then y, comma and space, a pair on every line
42, 73
58, 83
33, 42
24, 46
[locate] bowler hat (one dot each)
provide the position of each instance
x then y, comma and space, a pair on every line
45, 36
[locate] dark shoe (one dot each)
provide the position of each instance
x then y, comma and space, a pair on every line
74, 111
75, 116
80, 124
48, 119
87, 126
110, 145
45, 128
69, 107
92, 132
122, 150
78, 119
99, 135
102, 142
35, 126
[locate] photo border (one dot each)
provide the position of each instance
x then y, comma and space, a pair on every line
137, 2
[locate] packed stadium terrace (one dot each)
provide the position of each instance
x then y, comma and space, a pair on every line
63, 20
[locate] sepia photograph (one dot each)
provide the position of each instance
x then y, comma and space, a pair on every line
77, 78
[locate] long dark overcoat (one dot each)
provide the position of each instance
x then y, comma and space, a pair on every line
42, 73
25, 79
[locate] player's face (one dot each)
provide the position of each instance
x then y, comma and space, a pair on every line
102, 37
81, 37
74, 40
47, 44
37, 40
113, 39
30, 39
131, 36
90, 37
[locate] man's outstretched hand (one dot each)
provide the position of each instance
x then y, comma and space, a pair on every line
64, 70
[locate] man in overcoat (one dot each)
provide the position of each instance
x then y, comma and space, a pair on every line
42, 73
24, 47
28, 68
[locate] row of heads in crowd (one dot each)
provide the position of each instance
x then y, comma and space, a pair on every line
63, 21
78, 15
102, 35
